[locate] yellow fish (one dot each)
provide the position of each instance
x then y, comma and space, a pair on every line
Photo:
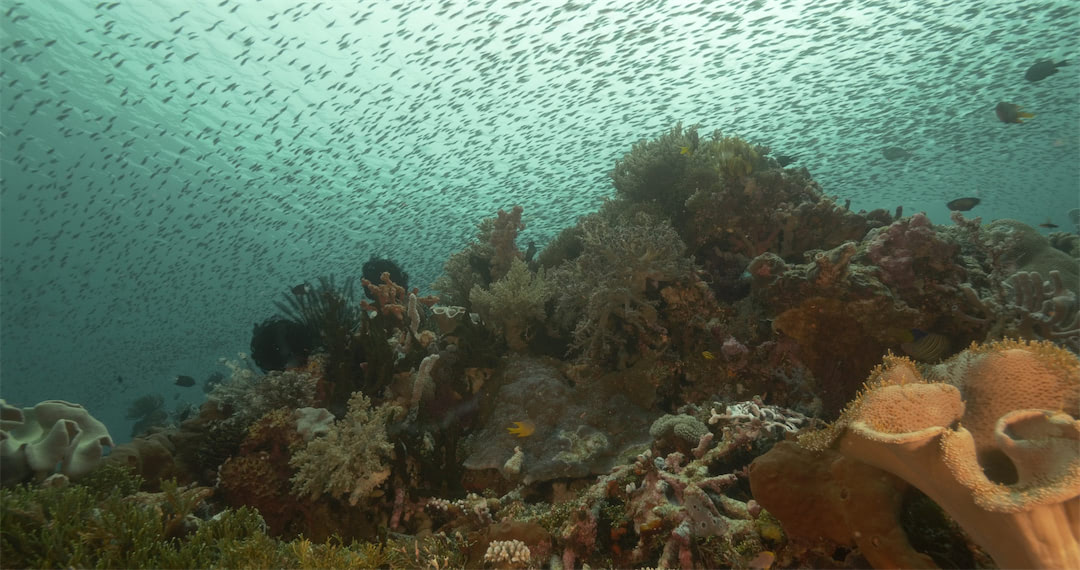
685, 150
523, 429
707, 355
763, 561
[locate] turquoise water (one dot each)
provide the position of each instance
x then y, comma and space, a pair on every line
170, 168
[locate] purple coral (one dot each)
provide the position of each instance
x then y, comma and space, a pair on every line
909, 250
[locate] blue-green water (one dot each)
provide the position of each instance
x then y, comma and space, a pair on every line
170, 167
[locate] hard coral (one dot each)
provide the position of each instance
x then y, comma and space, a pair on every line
578, 431
910, 253
996, 443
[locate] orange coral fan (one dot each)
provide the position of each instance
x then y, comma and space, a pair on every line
1012, 480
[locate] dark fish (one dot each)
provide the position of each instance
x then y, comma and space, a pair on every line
963, 204
785, 159
1043, 69
1011, 113
1048, 224
301, 289
895, 153
185, 381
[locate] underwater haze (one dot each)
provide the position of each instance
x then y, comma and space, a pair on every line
170, 168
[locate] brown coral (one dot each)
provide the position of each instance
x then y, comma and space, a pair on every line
822, 494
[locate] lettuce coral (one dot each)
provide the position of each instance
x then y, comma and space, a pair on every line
352, 458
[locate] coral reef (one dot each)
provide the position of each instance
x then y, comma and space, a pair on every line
486, 259
613, 289
618, 400
578, 431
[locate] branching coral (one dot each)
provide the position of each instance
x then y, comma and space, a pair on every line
514, 305
486, 259
996, 443
352, 459
613, 289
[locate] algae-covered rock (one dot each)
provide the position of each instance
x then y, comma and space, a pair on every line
563, 431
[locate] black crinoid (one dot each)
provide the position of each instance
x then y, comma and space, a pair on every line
331, 319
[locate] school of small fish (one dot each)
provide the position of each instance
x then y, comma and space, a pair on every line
171, 168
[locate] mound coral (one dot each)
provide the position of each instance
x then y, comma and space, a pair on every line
34, 441
991, 435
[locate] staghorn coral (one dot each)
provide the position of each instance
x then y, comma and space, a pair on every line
34, 441
991, 435
514, 305
352, 459
671, 505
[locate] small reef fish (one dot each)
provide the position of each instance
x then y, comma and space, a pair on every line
522, 429
895, 153
686, 150
1048, 224
963, 204
300, 289
1043, 69
763, 561
926, 346
185, 381
1011, 113
707, 355
785, 159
